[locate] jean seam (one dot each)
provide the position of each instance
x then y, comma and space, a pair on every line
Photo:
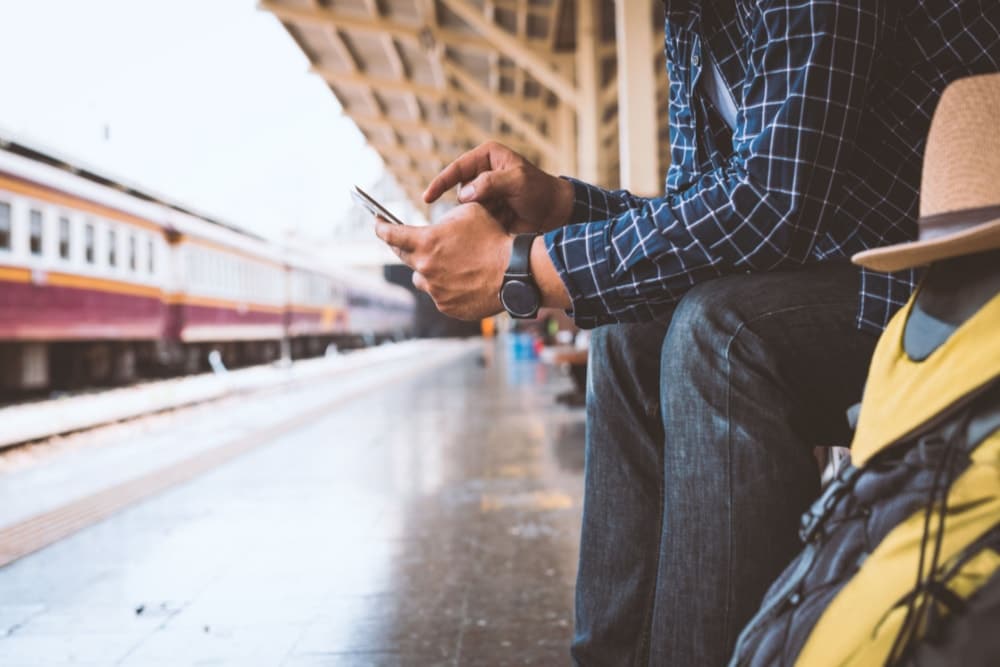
644, 655
727, 611
727, 614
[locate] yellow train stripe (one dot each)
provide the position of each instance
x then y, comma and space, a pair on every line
15, 275
311, 310
102, 285
52, 196
72, 281
213, 302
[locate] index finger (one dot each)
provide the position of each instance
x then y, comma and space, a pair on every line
465, 168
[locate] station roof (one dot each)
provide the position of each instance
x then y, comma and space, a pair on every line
425, 80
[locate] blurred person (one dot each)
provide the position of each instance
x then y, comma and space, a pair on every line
733, 331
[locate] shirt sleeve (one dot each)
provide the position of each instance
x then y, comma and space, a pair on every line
591, 203
765, 208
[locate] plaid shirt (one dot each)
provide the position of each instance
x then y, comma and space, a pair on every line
834, 102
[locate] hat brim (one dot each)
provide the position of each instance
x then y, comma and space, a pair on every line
982, 237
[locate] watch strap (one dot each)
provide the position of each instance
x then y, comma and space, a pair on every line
520, 257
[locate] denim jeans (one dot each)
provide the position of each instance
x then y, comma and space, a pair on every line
699, 459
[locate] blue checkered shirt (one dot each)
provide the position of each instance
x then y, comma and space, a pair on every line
834, 101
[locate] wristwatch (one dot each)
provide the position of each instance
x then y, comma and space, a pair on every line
519, 293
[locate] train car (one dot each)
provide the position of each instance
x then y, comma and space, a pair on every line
226, 292
316, 313
82, 273
377, 310
101, 283
345, 308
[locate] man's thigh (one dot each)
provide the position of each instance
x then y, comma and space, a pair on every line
800, 323
756, 369
794, 330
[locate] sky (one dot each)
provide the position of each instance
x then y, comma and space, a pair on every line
207, 103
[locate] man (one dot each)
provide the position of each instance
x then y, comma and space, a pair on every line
739, 333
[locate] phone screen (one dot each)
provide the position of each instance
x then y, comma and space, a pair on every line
372, 206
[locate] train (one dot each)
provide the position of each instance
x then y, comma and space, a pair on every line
102, 283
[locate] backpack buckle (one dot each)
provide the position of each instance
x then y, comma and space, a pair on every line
816, 515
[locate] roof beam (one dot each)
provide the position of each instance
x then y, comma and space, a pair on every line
494, 58
345, 54
446, 132
609, 94
478, 93
478, 135
535, 64
364, 80
428, 12
419, 156
319, 17
396, 62
410, 188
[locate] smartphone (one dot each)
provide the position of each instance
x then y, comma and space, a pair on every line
369, 204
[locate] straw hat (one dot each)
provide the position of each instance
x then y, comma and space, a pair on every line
960, 192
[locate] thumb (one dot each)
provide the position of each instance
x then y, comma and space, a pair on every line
403, 237
499, 184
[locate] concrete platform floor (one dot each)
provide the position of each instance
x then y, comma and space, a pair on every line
433, 521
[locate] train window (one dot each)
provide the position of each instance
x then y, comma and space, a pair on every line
150, 256
4, 225
112, 248
88, 243
35, 232
196, 268
132, 252
64, 230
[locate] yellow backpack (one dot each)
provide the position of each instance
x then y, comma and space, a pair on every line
901, 562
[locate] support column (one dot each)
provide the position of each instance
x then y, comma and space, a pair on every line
588, 87
638, 143
566, 139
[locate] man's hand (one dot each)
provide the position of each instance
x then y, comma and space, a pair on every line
460, 261
518, 194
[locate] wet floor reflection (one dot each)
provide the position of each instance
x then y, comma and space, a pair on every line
485, 556
431, 522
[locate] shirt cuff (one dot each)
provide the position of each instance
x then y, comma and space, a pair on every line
580, 255
591, 203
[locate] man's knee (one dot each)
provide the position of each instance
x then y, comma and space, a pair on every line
715, 338
725, 314
726, 319
705, 321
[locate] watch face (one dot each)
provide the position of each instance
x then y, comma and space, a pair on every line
519, 298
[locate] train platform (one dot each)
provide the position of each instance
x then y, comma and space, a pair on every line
420, 511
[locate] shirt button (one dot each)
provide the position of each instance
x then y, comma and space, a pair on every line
695, 60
